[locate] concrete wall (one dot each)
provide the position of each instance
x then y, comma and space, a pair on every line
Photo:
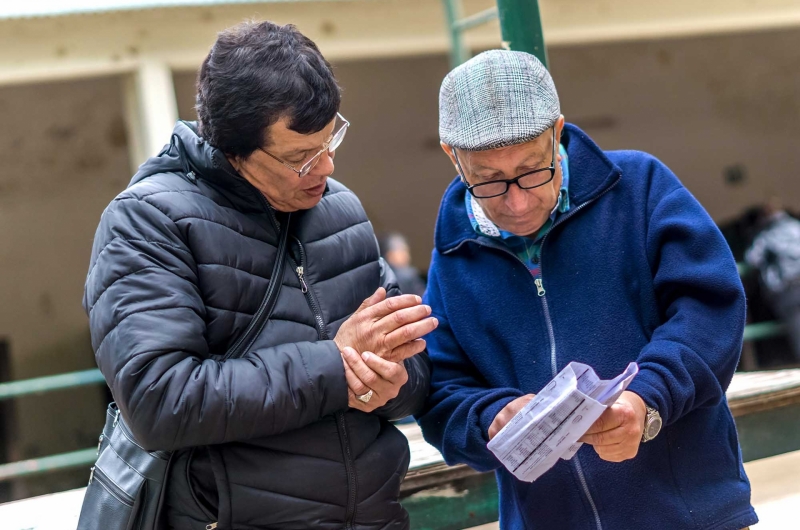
62, 159
700, 105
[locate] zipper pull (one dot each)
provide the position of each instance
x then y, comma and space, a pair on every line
211, 526
116, 419
99, 443
303, 285
539, 286
91, 476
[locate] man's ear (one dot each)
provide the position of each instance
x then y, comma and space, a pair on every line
559, 127
449, 152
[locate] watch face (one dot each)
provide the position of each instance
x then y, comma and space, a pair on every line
653, 427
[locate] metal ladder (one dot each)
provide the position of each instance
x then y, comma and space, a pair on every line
520, 26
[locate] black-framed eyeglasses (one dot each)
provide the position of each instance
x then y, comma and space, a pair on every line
526, 181
340, 129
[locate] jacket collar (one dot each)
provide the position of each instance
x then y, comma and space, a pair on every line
187, 152
591, 173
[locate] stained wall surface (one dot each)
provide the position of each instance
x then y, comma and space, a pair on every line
63, 157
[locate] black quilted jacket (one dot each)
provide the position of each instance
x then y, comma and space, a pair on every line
181, 261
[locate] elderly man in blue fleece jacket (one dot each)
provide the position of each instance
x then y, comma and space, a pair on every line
550, 250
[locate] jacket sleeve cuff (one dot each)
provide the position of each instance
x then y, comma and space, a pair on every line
488, 414
325, 368
652, 388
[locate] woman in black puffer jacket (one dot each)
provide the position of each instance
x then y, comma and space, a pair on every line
181, 262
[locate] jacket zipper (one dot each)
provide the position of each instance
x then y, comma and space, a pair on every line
299, 270
554, 366
112, 489
540, 291
552, 336
350, 513
341, 422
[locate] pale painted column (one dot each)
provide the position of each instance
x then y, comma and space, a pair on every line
151, 109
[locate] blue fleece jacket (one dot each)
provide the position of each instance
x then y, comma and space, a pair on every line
636, 271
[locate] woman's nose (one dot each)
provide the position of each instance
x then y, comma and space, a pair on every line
325, 165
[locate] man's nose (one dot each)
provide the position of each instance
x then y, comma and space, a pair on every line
516, 199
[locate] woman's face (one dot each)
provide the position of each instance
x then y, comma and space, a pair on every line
283, 188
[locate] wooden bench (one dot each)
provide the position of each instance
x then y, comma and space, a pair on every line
766, 406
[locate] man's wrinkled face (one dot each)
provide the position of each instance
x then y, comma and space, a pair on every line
519, 211
284, 189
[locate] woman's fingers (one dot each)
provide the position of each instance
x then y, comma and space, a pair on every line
406, 351
411, 332
378, 296
363, 372
391, 305
368, 371
355, 384
394, 373
402, 317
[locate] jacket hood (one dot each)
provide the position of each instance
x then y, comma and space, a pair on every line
592, 172
190, 156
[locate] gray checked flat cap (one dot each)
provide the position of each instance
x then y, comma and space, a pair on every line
496, 99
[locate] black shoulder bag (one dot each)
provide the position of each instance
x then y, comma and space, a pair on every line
127, 483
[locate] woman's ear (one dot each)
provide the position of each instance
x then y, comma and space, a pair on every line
235, 161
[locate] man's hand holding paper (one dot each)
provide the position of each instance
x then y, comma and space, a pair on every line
549, 426
508, 412
616, 434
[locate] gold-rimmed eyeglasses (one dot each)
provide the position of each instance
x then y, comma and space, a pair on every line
340, 129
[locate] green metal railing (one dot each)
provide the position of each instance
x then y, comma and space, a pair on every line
34, 466
53, 382
520, 26
40, 385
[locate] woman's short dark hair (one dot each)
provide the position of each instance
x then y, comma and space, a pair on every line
255, 74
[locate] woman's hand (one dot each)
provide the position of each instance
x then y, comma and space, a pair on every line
390, 328
367, 372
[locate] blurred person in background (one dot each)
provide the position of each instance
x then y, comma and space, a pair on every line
396, 252
775, 253
180, 265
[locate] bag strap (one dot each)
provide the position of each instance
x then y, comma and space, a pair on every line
268, 304
260, 319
